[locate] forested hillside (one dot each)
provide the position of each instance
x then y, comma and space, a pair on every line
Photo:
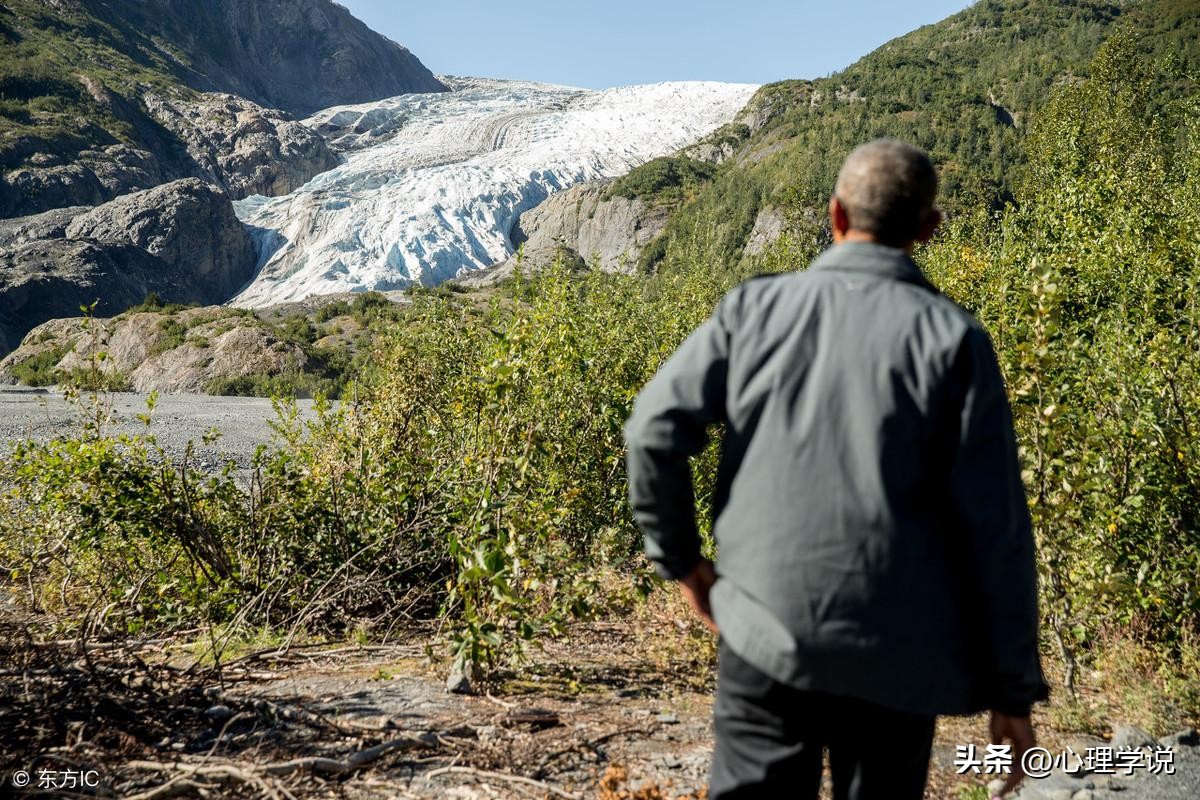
967, 89
101, 98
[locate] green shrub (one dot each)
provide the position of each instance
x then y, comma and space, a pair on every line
40, 369
173, 335
297, 328
330, 311
153, 302
87, 379
662, 180
1090, 289
286, 384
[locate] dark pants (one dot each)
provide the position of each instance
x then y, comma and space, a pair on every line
769, 738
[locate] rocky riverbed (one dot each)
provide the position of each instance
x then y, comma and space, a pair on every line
243, 422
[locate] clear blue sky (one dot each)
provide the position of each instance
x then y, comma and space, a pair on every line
602, 43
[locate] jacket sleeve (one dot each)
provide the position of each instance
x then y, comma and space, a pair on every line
668, 425
989, 499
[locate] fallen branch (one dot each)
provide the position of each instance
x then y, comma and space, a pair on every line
355, 762
257, 775
503, 776
499, 702
172, 788
182, 782
588, 744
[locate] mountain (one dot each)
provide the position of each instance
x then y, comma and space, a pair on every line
433, 184
102, 98
297, 55
608, 224
967, 89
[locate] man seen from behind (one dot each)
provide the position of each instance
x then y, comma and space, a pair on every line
875, 557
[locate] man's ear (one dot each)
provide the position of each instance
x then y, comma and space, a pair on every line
839, 220
930, 226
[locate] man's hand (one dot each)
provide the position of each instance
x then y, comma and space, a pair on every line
1019, 731
695, 588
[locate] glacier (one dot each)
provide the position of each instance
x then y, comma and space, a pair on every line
432, 184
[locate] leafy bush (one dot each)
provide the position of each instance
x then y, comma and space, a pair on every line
330, 311
662, 180
154, 303
1090, 289
297, 328
286, 385
86, 379
40, 369
174, 333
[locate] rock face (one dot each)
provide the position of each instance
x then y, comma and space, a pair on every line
161, 109
180, 241
226, 140
584, 226
769, 225
42, 280
297, 55
240, 146
69, 177
189, 225
150, 351
606, 232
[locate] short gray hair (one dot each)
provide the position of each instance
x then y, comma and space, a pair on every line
887, 188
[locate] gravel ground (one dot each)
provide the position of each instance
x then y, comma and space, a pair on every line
1183, 783
244, 422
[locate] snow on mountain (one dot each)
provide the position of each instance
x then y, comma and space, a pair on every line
432, 183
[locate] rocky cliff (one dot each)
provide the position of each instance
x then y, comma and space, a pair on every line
226, 140
585, 226
104, 98
180, 241
240, 146
297, 55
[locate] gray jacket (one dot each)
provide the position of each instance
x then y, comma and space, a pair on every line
872, 529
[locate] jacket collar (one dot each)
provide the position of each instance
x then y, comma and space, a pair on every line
872, 259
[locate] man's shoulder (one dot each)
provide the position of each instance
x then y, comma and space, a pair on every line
750, 291
765, 284
766, 280
922, 300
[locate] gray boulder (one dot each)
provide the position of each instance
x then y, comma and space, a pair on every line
1132, 737
189, 225
240, 146
180, 241
584, 225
